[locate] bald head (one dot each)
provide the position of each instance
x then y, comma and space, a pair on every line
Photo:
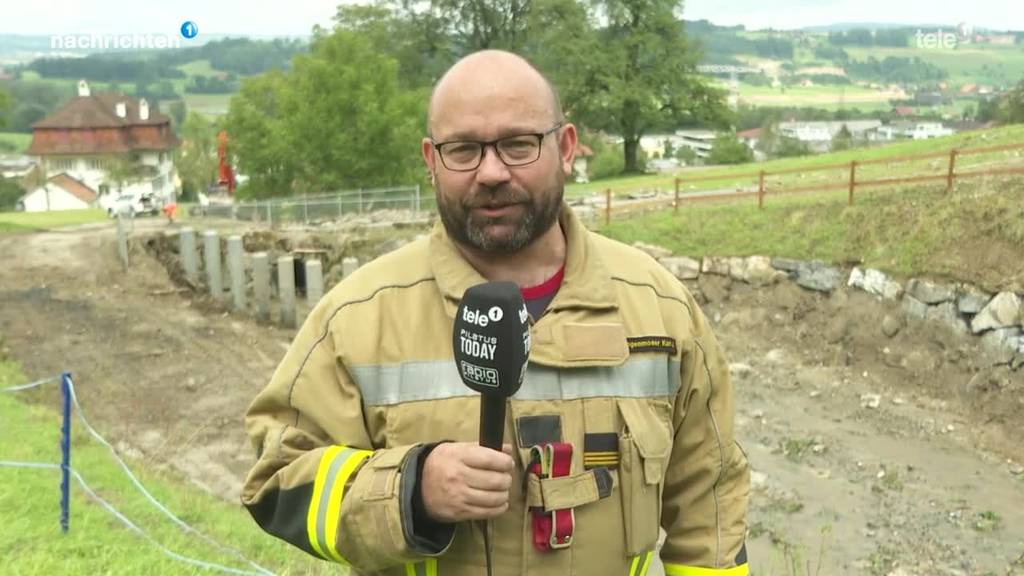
491, 81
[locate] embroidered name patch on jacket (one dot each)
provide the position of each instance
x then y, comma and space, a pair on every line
639, 344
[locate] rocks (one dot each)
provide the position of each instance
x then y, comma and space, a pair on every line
740, 370
656, 252
816, 275
786, 265
875, 282
1003, 311
714, 288
755, 270
749, 318
971, 301
714, 265
914, 308
870, 400
681, 267
1003, 343
891, 325
930, 292
947, 314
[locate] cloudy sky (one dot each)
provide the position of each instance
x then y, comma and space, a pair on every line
297, 17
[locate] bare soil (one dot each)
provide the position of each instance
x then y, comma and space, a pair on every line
926, 481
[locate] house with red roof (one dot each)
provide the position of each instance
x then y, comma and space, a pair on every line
108, 143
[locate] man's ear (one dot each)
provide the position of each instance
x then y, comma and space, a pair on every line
427, 150
567, 147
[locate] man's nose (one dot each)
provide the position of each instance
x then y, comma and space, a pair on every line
491, 170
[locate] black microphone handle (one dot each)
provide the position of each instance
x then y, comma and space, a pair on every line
492, 421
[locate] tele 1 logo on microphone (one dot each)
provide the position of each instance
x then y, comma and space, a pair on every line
480, 319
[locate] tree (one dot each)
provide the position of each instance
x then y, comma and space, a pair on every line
634, 74
1012, 109
196, 159
178, 111
337, 120
416, 39
124, 170
727, 149
6, 105
843, 140
10, 193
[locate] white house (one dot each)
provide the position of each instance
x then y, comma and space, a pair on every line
700, 141
92, 133
61, 192
928, 130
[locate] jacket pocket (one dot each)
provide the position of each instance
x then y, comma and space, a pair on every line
644, 444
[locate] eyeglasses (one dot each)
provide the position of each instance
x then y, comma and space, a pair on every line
466, 155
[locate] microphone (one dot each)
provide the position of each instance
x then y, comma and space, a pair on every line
491, 341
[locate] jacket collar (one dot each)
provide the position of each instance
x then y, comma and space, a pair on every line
586, 284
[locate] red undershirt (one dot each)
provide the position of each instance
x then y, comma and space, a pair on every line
538, 297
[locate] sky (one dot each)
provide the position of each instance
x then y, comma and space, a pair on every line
297, 17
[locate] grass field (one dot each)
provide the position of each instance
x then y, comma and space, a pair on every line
16, 140
730, 174
971, 235
36, 221
199, 68
818, 96
30, 539
967, 64
208, 104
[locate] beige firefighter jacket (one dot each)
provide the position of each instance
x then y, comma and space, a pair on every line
622, 353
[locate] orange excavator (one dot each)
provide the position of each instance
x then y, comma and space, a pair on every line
225, 175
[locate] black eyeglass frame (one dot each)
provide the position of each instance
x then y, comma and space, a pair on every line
494, 144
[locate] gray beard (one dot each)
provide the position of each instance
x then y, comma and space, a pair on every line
462, 227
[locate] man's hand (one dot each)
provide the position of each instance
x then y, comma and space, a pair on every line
466, 481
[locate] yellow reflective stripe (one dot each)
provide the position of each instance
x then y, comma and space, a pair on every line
314, 503
640, 564
647, 564
681, 570
337, 494
426, 568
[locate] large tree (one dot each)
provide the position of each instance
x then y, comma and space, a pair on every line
337, 120
196, 159
625, 67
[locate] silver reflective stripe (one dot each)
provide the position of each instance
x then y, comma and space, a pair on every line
389, 384
325, 496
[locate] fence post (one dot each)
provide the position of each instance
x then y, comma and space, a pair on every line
261, 285
853, 181
417, 198
270, 216
760, 190
607, 205
676, 209
122, 242
211, 256
305, 210
286, 290
65, 453
950, 176
314, 281
236, 268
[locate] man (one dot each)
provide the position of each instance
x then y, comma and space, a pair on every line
623, 425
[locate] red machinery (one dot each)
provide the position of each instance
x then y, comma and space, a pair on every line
225, 175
